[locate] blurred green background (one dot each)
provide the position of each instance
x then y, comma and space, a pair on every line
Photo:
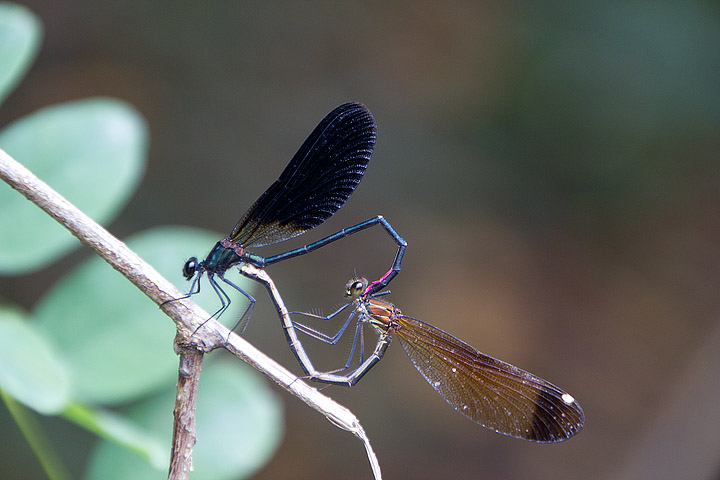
552, 165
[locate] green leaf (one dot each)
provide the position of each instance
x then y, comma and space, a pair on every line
91, 151
240, 421
120, 430
239, 426
30, 368
117, 343
20, 35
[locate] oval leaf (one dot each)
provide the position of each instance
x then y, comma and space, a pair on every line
30, 369
239, 426
20, 34
118, 344
91, 151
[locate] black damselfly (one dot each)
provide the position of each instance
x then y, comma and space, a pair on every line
315, 184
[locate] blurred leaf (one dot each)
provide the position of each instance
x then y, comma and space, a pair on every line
30, 369
240, 421
120, 430
91, 151
118, 343
239, 426
20, 34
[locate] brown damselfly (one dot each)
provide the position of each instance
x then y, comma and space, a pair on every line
490, 392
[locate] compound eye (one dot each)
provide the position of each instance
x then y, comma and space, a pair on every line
355, 287
190, 268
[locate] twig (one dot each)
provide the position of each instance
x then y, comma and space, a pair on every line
187, 315
184, 436
349, 423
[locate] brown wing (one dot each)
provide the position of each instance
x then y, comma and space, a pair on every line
492, 393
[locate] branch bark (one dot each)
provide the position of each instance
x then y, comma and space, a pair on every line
187, 315
184, 436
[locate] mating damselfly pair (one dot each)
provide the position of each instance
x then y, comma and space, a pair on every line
315, 184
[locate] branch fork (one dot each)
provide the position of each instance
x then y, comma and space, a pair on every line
191, 342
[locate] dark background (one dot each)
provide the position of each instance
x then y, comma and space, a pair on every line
553, 167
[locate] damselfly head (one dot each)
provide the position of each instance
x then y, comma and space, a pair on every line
355, 287
190, 267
